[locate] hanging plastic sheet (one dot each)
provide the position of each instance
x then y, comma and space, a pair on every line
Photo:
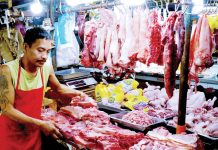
66, 43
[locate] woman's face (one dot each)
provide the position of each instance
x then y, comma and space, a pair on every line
37, 53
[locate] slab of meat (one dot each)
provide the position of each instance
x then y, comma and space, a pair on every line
143, 37
81, 24
114, 47
128, 45
91, 114
169, 56
89, 31
125, 137
107, 43
85, 102
122, 29
201, 48
135, 37
97, 43
102, 42
154, 50
179, 29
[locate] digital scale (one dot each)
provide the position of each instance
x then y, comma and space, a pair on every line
77, 79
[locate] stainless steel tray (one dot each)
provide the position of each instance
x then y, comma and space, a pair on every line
205, 138
118, 119
110, 108
71, 74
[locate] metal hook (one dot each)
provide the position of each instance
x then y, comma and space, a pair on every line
106, 4
161, 4
156, 3
177, 6
186, 8
167, 4
206, 8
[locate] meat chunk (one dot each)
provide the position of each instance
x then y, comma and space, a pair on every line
169, 56
201, 48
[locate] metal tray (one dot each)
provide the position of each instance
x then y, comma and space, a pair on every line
71, 73
206, 138
110, 108
210, 142
118, 119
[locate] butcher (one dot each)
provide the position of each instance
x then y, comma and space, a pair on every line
21, 93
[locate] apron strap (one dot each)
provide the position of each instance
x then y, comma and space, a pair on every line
41, 72
18, 78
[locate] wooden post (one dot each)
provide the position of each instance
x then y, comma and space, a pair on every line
184, 71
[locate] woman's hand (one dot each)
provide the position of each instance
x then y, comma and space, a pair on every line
49, 128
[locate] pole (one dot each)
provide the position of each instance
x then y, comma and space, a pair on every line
184, 71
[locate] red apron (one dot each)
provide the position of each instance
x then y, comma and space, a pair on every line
17, 136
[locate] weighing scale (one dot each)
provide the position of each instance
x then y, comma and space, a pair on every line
77, 79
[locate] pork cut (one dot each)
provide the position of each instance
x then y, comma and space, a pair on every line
169, 56
201, 48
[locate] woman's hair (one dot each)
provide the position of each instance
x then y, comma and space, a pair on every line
35, 33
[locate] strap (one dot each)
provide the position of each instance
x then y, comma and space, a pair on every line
41, 72
18, 78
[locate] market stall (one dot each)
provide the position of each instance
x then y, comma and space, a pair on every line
149, 69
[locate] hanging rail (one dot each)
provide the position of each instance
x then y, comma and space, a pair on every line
83, 8
106, 4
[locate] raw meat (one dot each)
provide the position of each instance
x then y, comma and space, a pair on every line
179, 29
85, 102
90, 29
81, 18
169, 56
162, 139
114, 47
128, 45
201, 48
138, 117
154, 30
91, 114
143, 37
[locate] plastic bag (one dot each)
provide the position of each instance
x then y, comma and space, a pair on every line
213, 22
136, 92
116, 94
101, 92
136, 103
109, 94
128, 85
67, 46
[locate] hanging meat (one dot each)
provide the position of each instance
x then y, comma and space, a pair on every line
143, 37
201, 48
89, 31
169, 55
179, 29
128, 44
154, 38
81, 18
135, 39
